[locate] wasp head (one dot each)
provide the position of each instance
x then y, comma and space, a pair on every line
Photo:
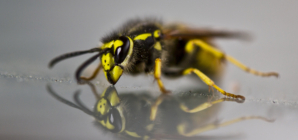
109, 112
116, 59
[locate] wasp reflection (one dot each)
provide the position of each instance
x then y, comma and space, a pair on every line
141, 116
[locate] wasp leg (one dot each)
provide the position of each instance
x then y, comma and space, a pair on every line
249, 70
94, 73
219, 54
210, 83
201, 107
157, 73
206, 105
154, 107
83, 66
182, 127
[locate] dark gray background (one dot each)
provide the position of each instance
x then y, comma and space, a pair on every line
33, 32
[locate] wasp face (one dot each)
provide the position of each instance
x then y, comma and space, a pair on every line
108, 112
117, 58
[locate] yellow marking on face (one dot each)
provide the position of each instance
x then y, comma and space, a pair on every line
107, 61
114, 98
108, 45
143, 36
115, 74
133, 134
109, 125
157, 33
102, 106
157, 46
117, 43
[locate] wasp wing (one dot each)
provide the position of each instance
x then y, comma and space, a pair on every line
191, 33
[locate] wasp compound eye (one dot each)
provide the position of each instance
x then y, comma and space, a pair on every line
115, 120
122, 48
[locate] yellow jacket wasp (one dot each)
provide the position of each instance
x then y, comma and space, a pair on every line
148, 46
177, 117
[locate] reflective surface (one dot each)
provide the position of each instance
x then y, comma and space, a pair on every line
32, 33
137, 115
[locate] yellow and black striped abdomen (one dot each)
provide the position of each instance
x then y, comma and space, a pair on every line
183, 54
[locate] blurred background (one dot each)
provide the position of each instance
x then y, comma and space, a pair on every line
33, 32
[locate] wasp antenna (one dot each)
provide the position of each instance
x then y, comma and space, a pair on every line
72, 54
79, 105
208, 34
244, 36
82, 106
61, 99
86, 63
